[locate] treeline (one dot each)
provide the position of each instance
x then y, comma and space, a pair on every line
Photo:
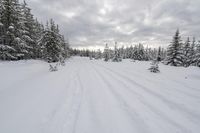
178, 53
24, 37
136, 52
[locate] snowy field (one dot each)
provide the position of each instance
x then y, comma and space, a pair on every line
98, 97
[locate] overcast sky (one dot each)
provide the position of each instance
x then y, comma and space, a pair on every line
96, 22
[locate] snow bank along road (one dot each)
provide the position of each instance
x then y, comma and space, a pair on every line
98, 97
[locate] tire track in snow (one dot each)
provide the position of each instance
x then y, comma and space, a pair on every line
179, 90
98, 103
171, 104
53, 119
63, 118
70, 122
79, 101
154, 110
135, 117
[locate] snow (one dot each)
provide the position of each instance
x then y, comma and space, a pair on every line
10, 27
6, 47
98, 97
27, 38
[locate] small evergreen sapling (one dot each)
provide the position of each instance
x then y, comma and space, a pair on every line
53, 68
154, 67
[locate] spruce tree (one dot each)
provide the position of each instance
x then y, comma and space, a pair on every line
62, 45
134, 53
39, 30
174, 52
5, 50
129, 52
67, 49
186, 53
192, 52
98, 54
159, 54
154, 67
116, 56
163, 54
13, 47
197, 55
51, 43
138, 53
1, 9
106, 53
8, 19
28, 33
141, 52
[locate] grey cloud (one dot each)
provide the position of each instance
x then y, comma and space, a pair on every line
94, 22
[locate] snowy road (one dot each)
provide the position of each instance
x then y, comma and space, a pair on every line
97, 97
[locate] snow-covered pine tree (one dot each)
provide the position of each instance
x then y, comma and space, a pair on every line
138, 53
50, 43
159, 54
141, 52
146, 54
12, 45
197, 55
153, 53
91, 55
154, 67
134, 53
1, 32
106, 53
5, 50
9, 20
186, 53
174, 51
62, 44
28, 30
163, 53
39, 30
1, 9
192, 52
53, 67
116, 55
126, 52
23, 48
66, 48
98, 54
129, 52
122, 52
55, 47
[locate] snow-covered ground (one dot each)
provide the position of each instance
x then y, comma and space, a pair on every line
98, 97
